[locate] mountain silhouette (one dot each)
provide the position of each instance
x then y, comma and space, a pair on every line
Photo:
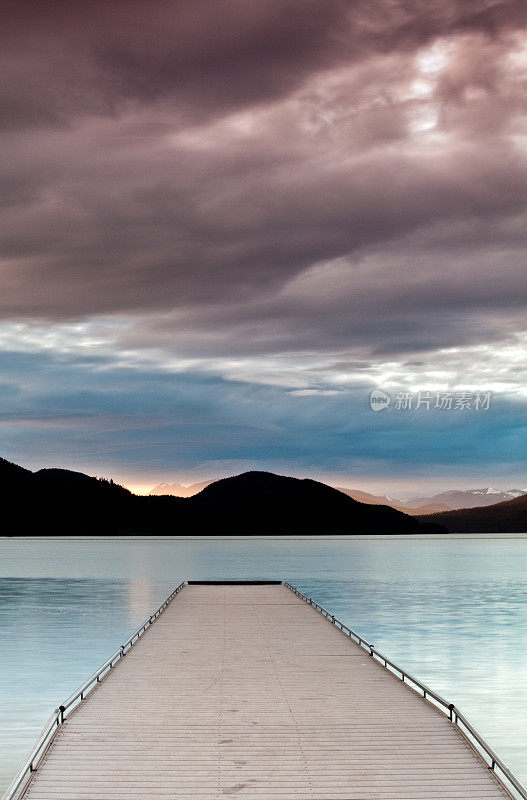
58, 502
263, 503
507, 517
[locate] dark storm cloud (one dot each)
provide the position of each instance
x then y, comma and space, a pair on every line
209, 56
206, 56
207, 162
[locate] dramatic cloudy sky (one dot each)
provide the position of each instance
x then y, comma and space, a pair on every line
224, 222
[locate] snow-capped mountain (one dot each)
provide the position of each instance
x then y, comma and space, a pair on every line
445, 501
467, 498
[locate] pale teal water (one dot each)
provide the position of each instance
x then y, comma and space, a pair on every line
453, 611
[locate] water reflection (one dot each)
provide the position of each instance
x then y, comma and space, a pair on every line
53, 634
452, 612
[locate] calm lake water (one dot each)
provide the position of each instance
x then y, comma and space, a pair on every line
452, 611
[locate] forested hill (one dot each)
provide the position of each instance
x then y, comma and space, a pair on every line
507, 517
58, 502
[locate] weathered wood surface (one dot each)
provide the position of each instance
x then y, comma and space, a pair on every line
246, 692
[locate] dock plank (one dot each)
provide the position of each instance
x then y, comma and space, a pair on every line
246, 692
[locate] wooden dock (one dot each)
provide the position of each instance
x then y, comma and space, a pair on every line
246, 692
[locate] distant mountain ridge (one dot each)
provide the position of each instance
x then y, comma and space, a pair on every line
366, 497
61, 502
467, 498
178, 489
445, 501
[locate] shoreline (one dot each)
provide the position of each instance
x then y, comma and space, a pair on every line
276, 538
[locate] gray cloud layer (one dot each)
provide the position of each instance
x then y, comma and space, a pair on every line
64, 59
213, 160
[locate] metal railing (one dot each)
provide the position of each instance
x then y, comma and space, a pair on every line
73, 701
492, 760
